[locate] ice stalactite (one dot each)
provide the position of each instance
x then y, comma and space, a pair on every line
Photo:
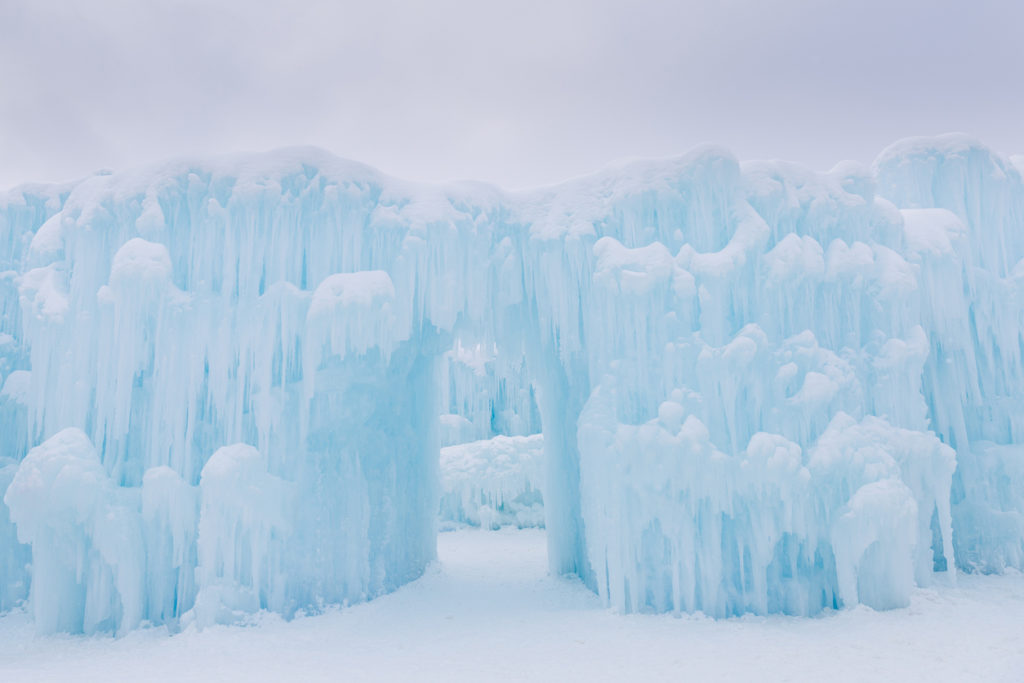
494, 482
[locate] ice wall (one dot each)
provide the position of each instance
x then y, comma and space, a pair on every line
494, 482
486, 394
761, 388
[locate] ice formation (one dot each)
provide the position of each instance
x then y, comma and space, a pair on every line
226, 384
494, 482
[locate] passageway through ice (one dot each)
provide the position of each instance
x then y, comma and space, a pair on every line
489, 610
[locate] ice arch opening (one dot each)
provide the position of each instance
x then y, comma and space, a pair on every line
501, 465
762, 389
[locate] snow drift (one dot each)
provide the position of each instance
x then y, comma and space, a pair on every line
760, 388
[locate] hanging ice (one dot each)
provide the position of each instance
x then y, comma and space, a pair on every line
494, 482
87, 559
760, 388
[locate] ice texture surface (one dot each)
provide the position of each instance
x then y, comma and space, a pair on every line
226, 382
495, 482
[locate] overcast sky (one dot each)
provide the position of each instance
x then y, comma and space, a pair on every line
518, 92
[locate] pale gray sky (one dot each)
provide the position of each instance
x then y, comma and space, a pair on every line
516, 92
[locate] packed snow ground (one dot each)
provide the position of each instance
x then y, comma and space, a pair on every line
489, 611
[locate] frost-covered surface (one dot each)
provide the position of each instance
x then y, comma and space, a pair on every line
761, 388
487, 394
494, 482
87, 568
490, 612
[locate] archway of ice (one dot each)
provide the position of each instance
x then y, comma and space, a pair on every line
761, 388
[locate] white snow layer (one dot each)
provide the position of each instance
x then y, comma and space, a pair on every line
760, 388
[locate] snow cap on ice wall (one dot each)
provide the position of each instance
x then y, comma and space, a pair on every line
761, 388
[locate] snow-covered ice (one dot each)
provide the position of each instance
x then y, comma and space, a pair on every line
494, 482
760, 388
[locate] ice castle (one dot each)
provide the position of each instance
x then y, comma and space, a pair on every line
761, 388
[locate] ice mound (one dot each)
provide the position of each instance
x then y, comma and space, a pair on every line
242, 522
761, 388
87, 566
494, 483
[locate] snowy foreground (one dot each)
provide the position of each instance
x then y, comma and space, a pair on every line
489, 611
